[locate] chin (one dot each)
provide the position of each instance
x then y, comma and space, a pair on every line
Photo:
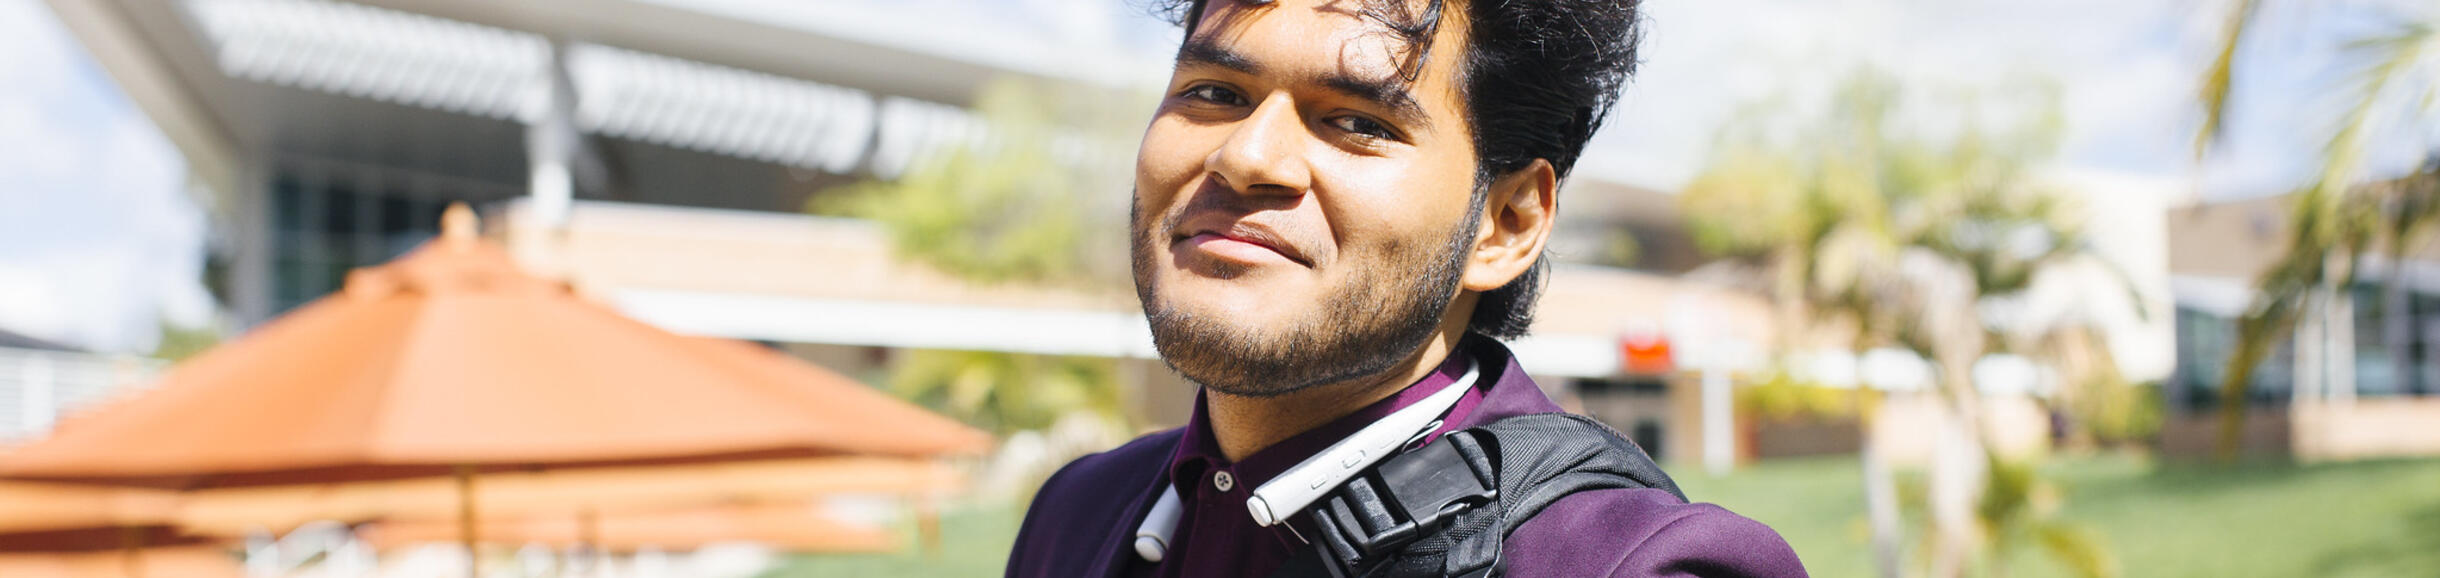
1264, 295
1240, 308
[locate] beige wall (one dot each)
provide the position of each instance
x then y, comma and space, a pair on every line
2367, 428
1609, 302
2228, 239
2240, 239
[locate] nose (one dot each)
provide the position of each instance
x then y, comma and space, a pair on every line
1264, 155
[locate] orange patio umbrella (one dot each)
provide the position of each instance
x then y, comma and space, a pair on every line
28, 507
180, 562
64, 530
564, 494
796, 527
451, 361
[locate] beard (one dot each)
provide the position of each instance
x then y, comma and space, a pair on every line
1378, 316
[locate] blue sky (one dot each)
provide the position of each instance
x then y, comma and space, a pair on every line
100, 239
2128, 71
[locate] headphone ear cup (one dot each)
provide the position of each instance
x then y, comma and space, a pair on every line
1152, 536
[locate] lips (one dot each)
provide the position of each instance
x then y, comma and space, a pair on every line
1244, 242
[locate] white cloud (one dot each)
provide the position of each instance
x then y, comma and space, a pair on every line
2126, 71
27, 302
98, 240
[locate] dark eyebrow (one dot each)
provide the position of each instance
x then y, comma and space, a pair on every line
1388, 92
1204, 52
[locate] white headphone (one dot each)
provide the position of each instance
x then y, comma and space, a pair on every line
1315, 477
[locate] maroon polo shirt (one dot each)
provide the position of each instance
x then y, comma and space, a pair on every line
1216, 537
1082, 523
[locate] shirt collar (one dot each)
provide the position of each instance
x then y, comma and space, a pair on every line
1199, 451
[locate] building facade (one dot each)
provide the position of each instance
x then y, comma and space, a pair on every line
2357, 376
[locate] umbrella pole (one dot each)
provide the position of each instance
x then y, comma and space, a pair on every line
588, 540
927, 527
466, 520
131, 549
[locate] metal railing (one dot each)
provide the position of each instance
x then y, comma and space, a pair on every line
37, 387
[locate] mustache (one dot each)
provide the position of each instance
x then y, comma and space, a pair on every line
1212, 198
1204, 202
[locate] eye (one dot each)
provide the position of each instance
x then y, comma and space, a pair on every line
1362, 126
1213, 93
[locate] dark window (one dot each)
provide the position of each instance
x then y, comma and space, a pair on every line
288, 204
1628, 387
397, 213
2204, 343
1647, 433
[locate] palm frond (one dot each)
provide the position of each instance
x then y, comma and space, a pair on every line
2336, 221
2219, 79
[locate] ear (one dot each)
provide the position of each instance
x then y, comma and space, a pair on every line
1518, 214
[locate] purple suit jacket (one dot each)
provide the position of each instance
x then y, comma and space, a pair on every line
1082, 523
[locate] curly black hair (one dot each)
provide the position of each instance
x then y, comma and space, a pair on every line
1537, 77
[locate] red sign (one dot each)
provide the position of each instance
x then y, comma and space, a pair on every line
1645, 353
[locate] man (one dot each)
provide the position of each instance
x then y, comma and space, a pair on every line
1339, 206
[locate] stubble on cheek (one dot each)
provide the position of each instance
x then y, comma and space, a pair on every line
1379, 310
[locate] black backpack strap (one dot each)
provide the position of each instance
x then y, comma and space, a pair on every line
1447, 508
1307, 563
1407, 497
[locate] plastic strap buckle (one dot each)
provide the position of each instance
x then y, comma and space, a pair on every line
1409, 496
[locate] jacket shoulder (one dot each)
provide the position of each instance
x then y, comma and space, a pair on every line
1075, 514
1646, 532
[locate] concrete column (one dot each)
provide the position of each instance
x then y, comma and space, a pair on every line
551, 144
2307, 369
2430, 331
2341, 355
1719, 427
252, 279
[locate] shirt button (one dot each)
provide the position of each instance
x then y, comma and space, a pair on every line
1223, 481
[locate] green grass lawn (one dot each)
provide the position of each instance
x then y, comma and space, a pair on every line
974, 542
2362, 519
2274, 520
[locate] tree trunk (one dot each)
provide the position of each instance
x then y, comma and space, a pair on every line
2397, 327
1788, 282
1961, 456
1960, 463
1880, 505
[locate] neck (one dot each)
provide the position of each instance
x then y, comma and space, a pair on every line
1245, 425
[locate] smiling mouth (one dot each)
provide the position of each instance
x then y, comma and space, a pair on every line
1240, 249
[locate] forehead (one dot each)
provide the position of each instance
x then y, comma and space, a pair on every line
1353, 38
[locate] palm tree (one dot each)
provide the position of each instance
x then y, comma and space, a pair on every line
1997, 240
2337, 222
1896, 241
1821, 228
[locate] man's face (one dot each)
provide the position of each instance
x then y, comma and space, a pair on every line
1303, 205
